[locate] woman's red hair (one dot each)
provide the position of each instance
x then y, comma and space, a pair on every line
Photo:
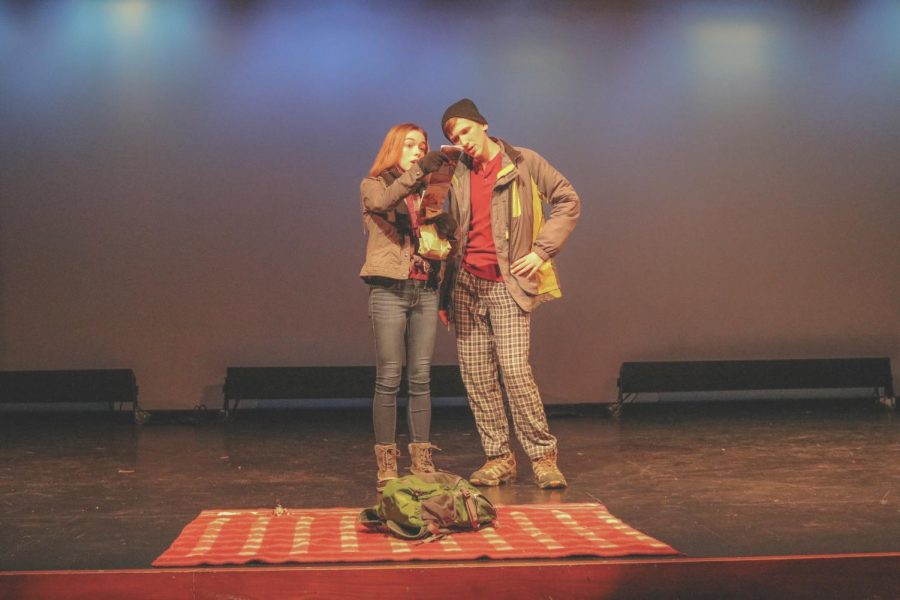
392, 147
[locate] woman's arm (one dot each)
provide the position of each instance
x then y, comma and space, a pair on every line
377, 197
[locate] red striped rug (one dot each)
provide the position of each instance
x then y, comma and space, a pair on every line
219, 537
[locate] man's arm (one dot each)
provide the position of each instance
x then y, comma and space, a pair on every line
565, 205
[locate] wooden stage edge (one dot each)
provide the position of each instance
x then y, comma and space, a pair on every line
818, 576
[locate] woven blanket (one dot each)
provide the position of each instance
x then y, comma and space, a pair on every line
219, 537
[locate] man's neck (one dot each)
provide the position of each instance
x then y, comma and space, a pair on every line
490, 151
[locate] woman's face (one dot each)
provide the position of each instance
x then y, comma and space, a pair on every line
413, 149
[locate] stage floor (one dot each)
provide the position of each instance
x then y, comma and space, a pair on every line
94, 491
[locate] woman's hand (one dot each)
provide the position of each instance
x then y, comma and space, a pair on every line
444, 317
433, 161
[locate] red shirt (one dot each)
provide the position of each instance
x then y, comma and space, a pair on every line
481, 253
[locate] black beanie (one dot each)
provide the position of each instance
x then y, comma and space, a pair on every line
463, 109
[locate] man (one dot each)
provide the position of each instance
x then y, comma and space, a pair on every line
500, 271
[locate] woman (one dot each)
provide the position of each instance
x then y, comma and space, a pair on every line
402, 291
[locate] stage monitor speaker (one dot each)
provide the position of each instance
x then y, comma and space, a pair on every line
872, 375
107, 386
299, 383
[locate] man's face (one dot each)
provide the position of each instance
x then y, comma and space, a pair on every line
414, 147
472, 136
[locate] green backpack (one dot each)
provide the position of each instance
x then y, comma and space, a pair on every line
428, 505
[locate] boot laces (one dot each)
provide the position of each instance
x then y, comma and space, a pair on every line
497, 466
392, 456
546, 465
425, 458
390, 459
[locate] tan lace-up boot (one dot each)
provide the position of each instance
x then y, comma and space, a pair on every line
420, 454
495, 471
546, 474
386, 456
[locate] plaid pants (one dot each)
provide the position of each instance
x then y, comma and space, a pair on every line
493, 333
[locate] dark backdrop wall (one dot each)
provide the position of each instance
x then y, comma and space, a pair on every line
179, 180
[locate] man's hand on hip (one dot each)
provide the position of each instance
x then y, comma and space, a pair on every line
528, 265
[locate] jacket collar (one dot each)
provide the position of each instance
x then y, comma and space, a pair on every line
514, 155
508, 170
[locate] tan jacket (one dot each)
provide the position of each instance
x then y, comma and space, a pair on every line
389, 253
524, 183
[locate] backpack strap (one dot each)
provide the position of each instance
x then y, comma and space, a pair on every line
369, 519
406, 532
470, 507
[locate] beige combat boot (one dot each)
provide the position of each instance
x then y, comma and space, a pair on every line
546, 474
420, 453
386, 456
495, 471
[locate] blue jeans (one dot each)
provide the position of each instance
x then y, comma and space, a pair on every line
404, 321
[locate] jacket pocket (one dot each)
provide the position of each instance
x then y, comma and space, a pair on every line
529, 285
543, 282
